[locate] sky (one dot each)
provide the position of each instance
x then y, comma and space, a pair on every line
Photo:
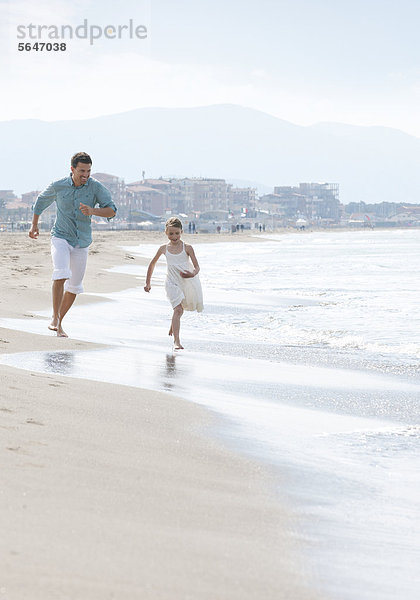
304, 61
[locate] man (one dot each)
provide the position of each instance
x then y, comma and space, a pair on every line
76, 198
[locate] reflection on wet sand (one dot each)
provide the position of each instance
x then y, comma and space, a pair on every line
169, 372
144, 369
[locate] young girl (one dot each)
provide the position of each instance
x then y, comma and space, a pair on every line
182, 285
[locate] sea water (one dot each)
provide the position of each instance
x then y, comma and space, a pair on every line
309, 346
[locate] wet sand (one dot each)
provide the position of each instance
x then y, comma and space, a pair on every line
112, 491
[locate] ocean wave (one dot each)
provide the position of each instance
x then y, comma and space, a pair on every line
271, 329
344, 340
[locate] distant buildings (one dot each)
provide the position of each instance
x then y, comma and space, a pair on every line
193, 196
383, 214
217, 202
313, 201
198, 194
189, 195
322, 201
144, 198
384, 210
30, 197
6, 196
241, 198
209, 195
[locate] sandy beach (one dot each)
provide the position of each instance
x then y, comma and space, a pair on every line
116, 492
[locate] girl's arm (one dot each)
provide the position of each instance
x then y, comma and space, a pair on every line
190, 251
151, 267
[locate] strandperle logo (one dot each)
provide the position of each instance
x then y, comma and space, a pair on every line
85, 31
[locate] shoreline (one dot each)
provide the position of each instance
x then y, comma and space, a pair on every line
130, 497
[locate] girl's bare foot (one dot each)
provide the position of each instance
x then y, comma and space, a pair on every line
60, 331
178, 346
53, 324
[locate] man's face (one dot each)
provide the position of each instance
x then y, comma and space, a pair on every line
81, 173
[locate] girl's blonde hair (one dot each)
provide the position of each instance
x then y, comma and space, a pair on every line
173, 222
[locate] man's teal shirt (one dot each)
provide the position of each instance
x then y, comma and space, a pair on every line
70, 223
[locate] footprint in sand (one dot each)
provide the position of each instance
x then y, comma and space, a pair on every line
33, 422
17, 449
22, 269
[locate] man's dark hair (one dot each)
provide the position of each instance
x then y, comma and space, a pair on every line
80, 157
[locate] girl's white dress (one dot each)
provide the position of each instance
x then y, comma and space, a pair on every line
180, 290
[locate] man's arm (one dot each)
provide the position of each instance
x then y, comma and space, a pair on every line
44, 200
34, 231
104, 199
107, 212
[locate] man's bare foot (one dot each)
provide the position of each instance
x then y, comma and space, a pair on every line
178, 346
53, 324
60, 331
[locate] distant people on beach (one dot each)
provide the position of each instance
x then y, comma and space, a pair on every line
183, 287
76, 197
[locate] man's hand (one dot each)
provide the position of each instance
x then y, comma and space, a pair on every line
147, 287
86, 210
34, 232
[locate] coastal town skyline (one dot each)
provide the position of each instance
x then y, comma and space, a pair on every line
216, 201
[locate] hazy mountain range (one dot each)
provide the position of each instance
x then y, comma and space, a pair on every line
242, 145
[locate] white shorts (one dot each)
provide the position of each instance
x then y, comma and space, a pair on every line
69, 263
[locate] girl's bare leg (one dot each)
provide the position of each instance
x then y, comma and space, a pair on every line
176, 325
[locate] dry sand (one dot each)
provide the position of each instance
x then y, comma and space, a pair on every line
115, 492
